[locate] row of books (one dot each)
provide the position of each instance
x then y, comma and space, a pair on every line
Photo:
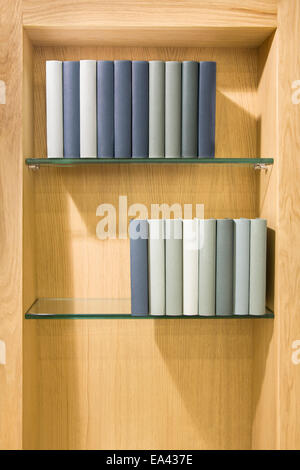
124, 109
198, 267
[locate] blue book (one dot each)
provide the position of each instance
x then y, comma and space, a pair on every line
207, 109
122, 108
105, 108
139, 230
71, 109
140, 109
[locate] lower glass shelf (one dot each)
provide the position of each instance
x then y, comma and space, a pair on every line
72, 309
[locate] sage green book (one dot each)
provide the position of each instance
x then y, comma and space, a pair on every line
156, 109
258, 260
173, 233
173, 110
156, 264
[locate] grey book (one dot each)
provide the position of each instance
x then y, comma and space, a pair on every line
173, 232
189, 145
207, 109
156, 109
156, 262
122, 105
224, 267
207, 267
105, 108
140, 109
71, 109
241, 268
173, 110
139, 266
258, 260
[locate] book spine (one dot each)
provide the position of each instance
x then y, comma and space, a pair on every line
139, 266
140, 109
173, 231
190, 267
156, 259
71, 109
241, 266
156, 109
173, 110
224, 267
54, 100
207, 109
122, 104
190, 71
258, 259
207, 267
88, 112
105, 108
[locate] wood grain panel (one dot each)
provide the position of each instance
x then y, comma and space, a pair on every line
233, 13
136, 385
154, 23
11, 225
265, 334
289, 223
118, 384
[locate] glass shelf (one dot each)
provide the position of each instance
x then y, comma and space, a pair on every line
35, 163
72, 309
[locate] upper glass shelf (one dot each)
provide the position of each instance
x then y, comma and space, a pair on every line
35, 163
62, 309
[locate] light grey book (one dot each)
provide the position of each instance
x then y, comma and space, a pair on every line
173, 232
241, 266
156, 109
190, 267
173, 110
156, 263
224, 267
258, 260
207, 266
189, 145
88, 109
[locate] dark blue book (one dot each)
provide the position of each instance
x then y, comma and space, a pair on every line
71, 109
122, 105
207, 109
105, 108
139, 230
140, 109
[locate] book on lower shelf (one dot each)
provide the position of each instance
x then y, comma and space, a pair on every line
205, 267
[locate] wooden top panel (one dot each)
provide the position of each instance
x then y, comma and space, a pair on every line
168, 23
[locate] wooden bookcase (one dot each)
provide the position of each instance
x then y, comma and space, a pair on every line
176, 384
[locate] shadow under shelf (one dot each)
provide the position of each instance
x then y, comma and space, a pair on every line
72, 309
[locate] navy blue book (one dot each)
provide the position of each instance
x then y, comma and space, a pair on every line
105, 108
71, 109
140, 109
139, 230
207, 109
122, 105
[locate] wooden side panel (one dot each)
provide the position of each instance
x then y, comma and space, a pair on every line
30, 352
289, 223
141, 384
11, 224
265, 334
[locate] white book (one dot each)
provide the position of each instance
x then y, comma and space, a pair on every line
190, 267
156, 264
54, 102
173, 231
207, 266
88, 109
